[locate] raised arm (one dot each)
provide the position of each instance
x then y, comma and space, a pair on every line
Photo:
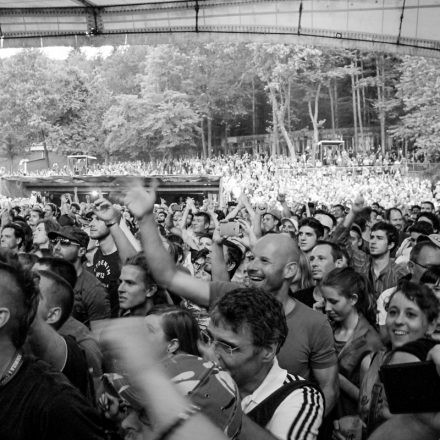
164, 271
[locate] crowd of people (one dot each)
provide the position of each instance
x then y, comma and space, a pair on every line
261, 178
263, 318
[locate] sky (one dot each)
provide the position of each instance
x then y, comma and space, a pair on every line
62, 52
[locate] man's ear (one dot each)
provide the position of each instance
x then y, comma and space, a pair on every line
54, 315
339, 263
173, 346
269, 353
151, 291
82, 251
290, 270
5, 314
19, 241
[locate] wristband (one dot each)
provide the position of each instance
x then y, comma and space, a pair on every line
181, 419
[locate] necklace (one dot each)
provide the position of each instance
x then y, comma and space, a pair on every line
12, 369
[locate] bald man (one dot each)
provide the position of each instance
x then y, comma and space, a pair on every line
309, 347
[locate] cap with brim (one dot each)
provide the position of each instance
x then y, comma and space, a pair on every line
356, 228
325, 220
294, 221
72, 233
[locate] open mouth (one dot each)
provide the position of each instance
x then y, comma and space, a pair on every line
400, 332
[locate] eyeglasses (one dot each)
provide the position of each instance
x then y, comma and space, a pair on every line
209, 339
65, 242
430, 266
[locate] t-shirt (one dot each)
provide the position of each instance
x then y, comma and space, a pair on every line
41, 404
107, 269
309, 343
91, 300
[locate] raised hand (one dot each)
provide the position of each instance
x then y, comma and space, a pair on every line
140, 202
106, 212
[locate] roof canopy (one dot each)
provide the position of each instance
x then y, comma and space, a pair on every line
402, 26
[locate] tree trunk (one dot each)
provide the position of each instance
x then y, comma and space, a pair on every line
336, 104
202, 126
314, 117
275, 140
353, 95
361, 126
209, 136
254, 109
46, 153
380, 73
332, 106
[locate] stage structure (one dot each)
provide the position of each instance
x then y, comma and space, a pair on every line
112, 187
399, 26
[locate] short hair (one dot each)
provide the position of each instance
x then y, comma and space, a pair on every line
49, 225
416, 207
18, 230
61, 267
60, 294
53, 207
335, 249
256, 310
20, 295
234, 255
39, 211
206, 217
338, 205
420, 294
389, 211
348, 282
140, 261
390, 231
314, 224
427, 202
180, 324
422, 227
419, 246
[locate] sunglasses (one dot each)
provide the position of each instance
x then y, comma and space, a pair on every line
65, 242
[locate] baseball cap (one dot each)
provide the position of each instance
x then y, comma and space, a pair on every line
435, 238
325, 220
292, 220
208, 387
72, 233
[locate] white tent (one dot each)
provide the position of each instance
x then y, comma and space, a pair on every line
402, 26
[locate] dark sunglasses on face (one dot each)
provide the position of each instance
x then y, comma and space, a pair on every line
63, 242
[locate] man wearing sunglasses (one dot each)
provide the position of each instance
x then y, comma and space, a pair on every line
91, 299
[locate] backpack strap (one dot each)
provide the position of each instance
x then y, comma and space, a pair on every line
264, 411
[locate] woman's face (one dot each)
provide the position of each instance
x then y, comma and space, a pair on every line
337, 307
405, 321
40, 237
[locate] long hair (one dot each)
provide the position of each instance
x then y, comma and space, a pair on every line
305, 273
348, 282
180, 324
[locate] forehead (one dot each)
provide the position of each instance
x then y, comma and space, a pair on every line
322, 249
8, 231
307, 230
132, 273
266, 246
379, 233
395, 214
429, 255
401, 301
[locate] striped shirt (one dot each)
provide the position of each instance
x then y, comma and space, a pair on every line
300, 414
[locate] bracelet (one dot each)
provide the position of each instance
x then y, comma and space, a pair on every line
181, 419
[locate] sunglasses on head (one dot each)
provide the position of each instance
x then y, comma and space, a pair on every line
63, 242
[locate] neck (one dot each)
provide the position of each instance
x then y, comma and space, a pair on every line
381, 261
255, 380
351, 321
107, 244
141, 309
285, 299
78, 266
7, 352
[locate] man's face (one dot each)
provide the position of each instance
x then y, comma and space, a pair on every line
34, 218
307, 238
67, 249
379, 243
287, 226
426, 207
132, 290
8, 239
244, 362
268, 222
48, 213
198, 224
74, 209
161, 216
396, 219
133, 427
205, 243
98, 229
266, 270
338, 212
321, 261
427, 258
39, 235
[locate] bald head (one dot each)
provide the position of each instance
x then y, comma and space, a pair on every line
286, 246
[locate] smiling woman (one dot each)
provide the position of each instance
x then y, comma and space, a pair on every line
413, 310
